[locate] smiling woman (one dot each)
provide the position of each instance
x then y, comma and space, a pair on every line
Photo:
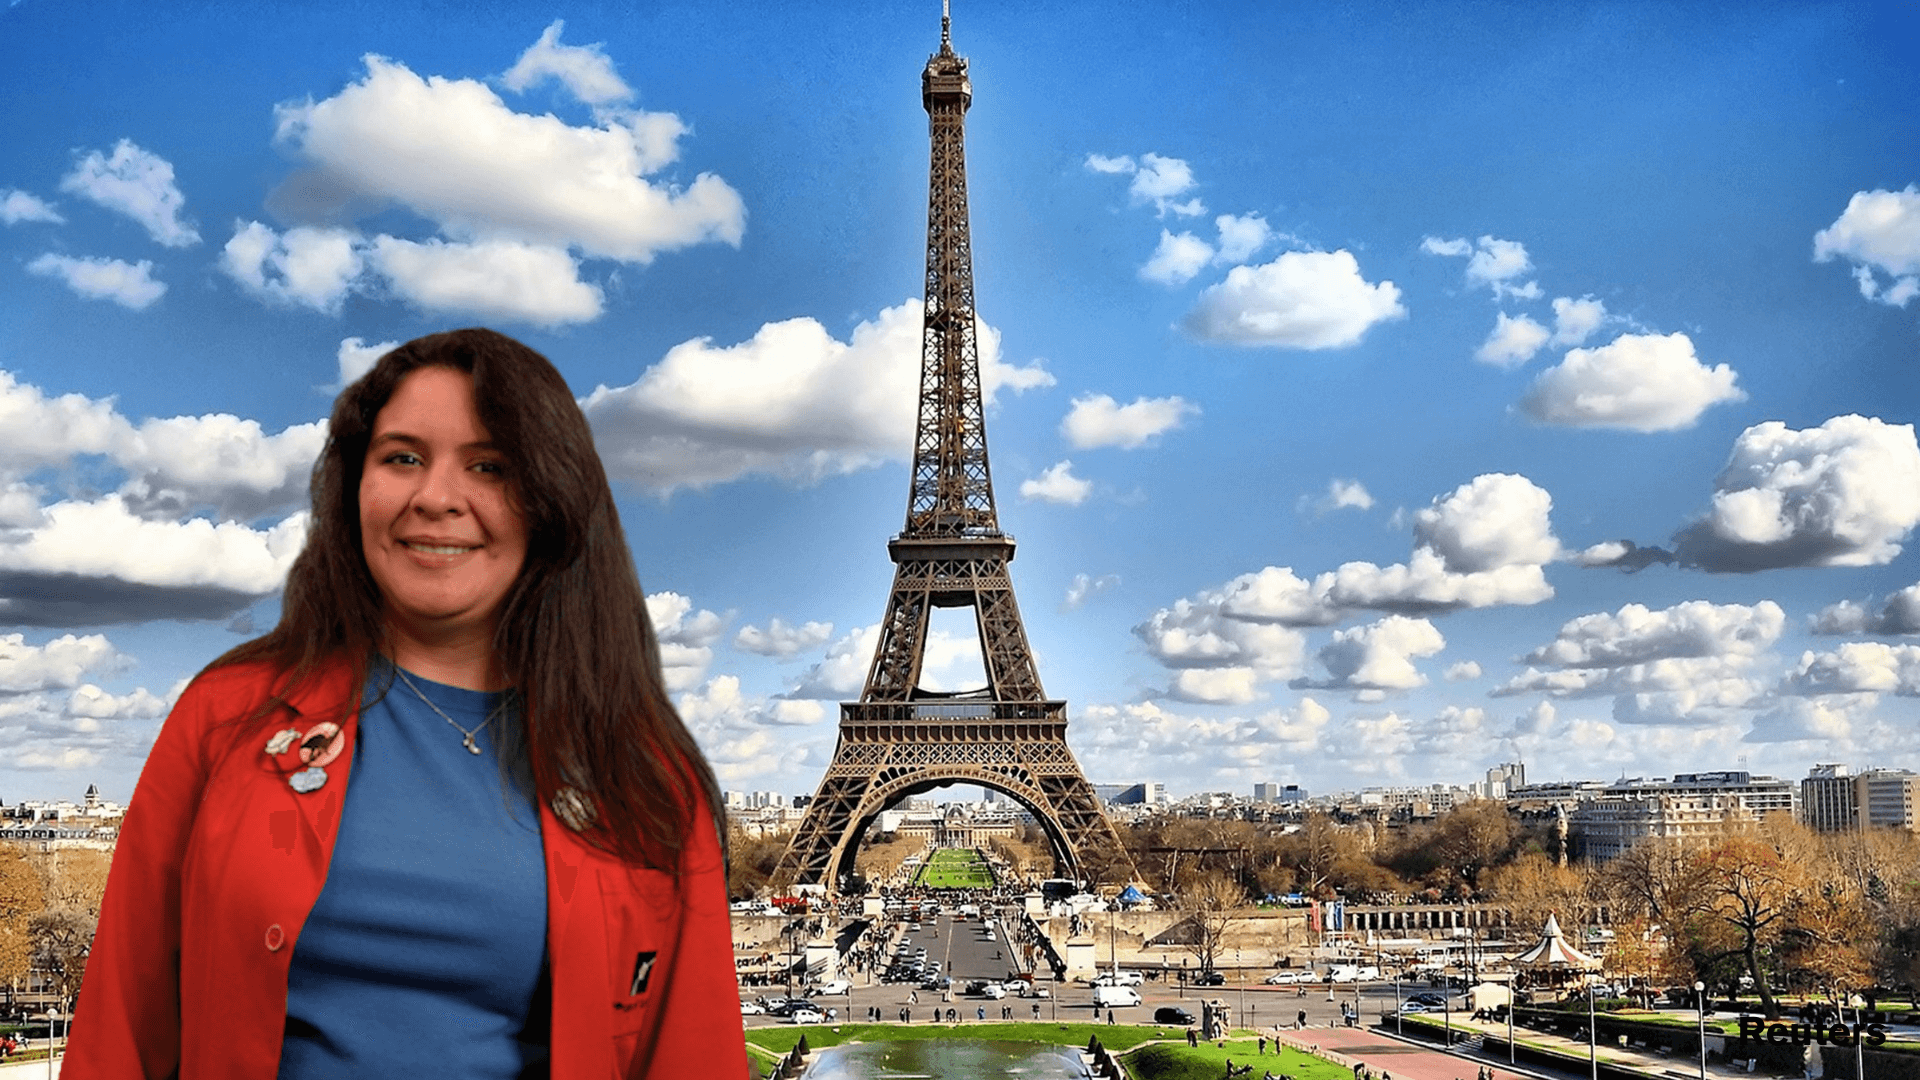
562, 914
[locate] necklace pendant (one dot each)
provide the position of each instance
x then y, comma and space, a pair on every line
472, 747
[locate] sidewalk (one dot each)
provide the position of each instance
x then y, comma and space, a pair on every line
1381, 1049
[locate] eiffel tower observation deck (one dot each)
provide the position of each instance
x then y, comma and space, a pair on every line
901, 739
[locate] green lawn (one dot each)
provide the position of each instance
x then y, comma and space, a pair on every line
1178, 1061
1165, 1054
955, 868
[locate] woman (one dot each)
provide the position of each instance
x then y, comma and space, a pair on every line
524, 876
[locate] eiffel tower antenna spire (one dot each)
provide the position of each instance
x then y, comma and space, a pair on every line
901, 739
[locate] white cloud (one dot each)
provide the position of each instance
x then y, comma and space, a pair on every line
60, 664
791, 402
1241, 236
183, 463
1124, 164
1096, 420
1857, 667
1342, 495
1085, 587
1832, 720
1378, 656
1177, 259
1512, 343
1057, 485
1640, 382
1274, 594
1498, 262
585, 70
36, 430
1464, 671
1481, 545
1491, 262
131, 285
1115, 739
1900, 614
1574, 321
1215, 686
1301, 300
311, 267
92, 703
1636, 634
1846, 493
105, 539
501, 279
1685, 664
1878, 231
744, 737
1197, 633
1159, 180
136, 183
356, 357
782, 641
686, 637
17, 206
453, 152
842, 673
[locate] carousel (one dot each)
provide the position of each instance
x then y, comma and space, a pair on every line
1553, 966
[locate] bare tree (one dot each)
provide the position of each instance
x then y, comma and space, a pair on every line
1210, 905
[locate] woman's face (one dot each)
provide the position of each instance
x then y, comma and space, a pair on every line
438, 521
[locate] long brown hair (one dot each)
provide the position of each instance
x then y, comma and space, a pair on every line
573, 637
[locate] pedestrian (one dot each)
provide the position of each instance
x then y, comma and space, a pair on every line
1263, 1044
1300, 1022
913, 997
980, 1012
1110, 1019
1193, 1038
461, 639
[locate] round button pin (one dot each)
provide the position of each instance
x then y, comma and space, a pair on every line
276, 937
321, 744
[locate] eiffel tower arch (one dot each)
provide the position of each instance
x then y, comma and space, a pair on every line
900, 739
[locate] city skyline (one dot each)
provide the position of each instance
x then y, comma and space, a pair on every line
1376, 395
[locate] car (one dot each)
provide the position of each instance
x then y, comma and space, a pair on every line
1409, 1008
749, 1008
807, 1015
1209, 978
1429, 999
1106, 997
1036, 992
994, 991
833, 986
1168, 1014
913, 928
1289, 978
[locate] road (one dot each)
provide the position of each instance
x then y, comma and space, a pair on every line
966, 954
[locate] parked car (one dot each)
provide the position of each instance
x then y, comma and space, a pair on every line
1209, 978
1290, 978
1167, 1014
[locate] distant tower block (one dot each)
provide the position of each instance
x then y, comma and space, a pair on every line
900, 740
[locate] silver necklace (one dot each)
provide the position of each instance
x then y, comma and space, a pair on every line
472, 746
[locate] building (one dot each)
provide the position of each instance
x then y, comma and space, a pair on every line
1827, 799
1147, 793
1886, 798
1603, 829
1266, 792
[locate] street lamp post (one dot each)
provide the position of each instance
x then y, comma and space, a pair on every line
1859, 1045
1396, 1005
1593, 1036
1511, 1058
53, 1014
1700, 1002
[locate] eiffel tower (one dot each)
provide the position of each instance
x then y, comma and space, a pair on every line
898, 739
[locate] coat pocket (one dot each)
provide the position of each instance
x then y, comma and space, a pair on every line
640, 934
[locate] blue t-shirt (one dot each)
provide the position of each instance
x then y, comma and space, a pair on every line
425, 955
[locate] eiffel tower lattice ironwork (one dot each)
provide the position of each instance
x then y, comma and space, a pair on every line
898, 739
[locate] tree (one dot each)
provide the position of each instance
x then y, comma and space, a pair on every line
1470, 839
1750, 888
21, 897
61, 938
1533, 886
1209, 904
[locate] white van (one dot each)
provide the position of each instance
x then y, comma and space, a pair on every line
1346, 973
1106, 997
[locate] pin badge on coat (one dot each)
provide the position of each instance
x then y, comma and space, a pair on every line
306, 754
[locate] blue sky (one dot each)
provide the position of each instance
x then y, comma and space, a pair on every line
1378, 393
